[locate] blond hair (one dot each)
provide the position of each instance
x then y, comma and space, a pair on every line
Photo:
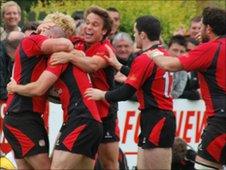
8, 4
64, 21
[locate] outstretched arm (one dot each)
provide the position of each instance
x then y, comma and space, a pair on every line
53, 45
37, 88
78, 58
122, 93
165, 62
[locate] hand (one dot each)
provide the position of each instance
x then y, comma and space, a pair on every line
95, 94
180, 31
11, 86
198, 37
154, 53
119, 77
78, 53
59, 58
69, 44
112, 59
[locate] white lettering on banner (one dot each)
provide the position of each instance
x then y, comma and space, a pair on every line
190, 119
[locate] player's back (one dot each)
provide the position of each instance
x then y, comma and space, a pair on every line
71, 87
28, 66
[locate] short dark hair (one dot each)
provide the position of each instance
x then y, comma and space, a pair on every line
216, 19
77, 15
31, 25
178, 39
112, 9
150, 25
102, 13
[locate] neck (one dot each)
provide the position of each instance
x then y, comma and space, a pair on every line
149, 44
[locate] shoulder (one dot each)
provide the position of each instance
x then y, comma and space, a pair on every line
142, 59
34, 39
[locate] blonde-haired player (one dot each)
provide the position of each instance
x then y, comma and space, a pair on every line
23, 125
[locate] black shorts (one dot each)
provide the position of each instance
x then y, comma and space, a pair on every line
110, 129
80, 136
213, 144
26, 134
157, 128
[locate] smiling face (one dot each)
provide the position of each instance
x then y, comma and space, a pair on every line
11, 16
176, 50
195, 29
123, 49
93, 29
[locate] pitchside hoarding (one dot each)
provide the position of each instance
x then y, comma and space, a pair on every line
190, 116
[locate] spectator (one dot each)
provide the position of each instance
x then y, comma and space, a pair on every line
177, 46
191, 91
182, 158
79, 31
115, 16
123, 45
11, 16
8, 48
78, 16
195, 26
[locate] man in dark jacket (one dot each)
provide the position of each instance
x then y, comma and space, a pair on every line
7, 50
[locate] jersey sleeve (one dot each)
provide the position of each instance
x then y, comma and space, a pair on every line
140, 71
198, 59
57, 69
32, 45
102, 51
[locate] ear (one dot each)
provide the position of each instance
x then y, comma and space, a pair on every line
143, 35
104, 32
208, 29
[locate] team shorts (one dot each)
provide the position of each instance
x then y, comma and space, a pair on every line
26, 133
213, 144
157, 128
80, 136
110, 129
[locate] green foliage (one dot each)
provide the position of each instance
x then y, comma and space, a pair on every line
172, 14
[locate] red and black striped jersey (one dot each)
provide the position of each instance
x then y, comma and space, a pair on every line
209, 59
28, 66
71, 85
153, 84
103, 78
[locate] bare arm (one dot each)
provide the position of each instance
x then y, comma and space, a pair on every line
37, 88
165, 62
52, 45
78, 58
